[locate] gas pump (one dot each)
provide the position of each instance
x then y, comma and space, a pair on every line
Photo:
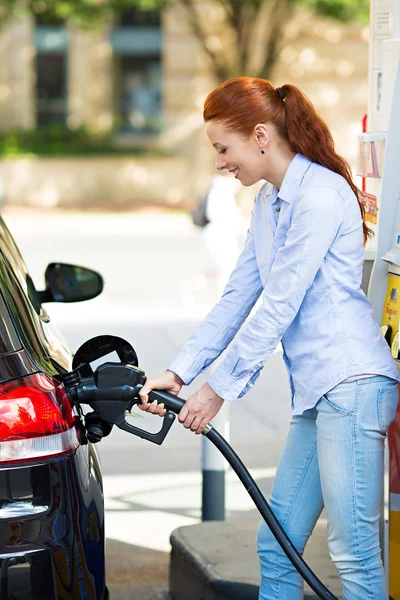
379, 152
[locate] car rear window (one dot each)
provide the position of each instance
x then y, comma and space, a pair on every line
15, 262
9, 341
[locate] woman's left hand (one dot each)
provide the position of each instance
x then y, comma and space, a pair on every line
200, 408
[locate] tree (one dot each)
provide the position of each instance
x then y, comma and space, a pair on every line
87, 13
245, 38
257, 28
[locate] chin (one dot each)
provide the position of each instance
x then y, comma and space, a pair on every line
248, 182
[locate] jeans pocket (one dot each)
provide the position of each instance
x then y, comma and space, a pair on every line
336, 407
387, 405
342, 398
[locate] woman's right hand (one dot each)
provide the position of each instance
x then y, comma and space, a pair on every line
168, 382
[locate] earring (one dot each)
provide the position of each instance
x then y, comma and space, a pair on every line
262, 151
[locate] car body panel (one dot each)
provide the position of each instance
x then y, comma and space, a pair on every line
51, 511
53, 519
31, 320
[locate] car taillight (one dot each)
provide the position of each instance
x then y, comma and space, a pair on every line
36, 419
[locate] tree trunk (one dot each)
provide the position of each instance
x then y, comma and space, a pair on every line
241, 18
280, 14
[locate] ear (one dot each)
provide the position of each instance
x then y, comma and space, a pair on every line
262, 135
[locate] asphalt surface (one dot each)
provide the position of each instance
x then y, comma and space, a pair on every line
157, 289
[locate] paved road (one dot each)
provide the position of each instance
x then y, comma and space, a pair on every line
148, 261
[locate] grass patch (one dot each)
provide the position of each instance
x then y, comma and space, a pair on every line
58, 140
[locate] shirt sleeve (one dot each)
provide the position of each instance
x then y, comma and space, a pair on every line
223, 322
317, 221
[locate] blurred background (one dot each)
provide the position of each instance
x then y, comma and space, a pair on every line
102, 157
101, 100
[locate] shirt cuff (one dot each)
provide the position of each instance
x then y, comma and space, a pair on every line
230, 388
186, 367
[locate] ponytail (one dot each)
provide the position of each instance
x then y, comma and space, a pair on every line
243, 102
309, 135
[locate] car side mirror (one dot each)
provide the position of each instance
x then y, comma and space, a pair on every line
70, 283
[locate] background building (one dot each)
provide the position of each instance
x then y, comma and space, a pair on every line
144, 77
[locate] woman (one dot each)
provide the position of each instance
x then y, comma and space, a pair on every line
303, 254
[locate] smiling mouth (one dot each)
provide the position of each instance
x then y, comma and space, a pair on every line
235, 172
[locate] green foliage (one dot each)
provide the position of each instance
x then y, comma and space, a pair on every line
342, 10
84, 12
56, 140
90, 12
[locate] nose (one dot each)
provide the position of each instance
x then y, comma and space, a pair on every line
220, 163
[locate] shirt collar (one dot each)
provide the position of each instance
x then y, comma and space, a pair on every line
293, 178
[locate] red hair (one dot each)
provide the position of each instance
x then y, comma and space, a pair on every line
242, 102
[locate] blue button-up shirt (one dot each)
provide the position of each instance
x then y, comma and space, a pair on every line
305, 261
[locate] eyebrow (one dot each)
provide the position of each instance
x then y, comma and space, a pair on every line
217, 144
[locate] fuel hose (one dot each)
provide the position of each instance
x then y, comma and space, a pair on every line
268, 515
174, 404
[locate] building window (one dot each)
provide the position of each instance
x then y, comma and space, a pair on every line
51, 41
50, 89
136, 44
139, 94
140, 18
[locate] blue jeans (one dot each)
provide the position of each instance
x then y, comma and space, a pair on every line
333, 458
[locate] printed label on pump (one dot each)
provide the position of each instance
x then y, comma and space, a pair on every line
371, 207
382, 19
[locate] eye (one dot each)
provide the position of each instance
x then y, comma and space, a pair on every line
222, 151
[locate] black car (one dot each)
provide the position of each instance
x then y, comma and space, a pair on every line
51, 495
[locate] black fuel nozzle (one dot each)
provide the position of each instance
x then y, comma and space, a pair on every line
111, 391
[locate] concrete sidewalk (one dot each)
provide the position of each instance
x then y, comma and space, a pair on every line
134, 572
142, 510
